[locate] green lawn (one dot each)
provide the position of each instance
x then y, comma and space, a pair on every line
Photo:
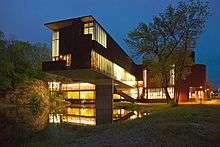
185, 125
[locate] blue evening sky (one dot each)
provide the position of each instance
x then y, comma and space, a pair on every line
24, 19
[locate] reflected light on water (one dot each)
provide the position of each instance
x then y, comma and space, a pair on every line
59, 118
84, 116
87, 115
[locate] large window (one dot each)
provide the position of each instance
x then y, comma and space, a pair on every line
97, 33
73, 95
81, 111
81, 95
87, 94
79, 90
78, 86
122, 75
55, 44
104, 65
89, 29
158, 93
100, 35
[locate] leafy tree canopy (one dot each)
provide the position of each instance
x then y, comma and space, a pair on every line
168, 41
19, 61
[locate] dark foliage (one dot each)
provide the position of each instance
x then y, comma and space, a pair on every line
20, 61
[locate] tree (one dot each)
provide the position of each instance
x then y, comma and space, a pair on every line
167, 42
20, 61
194, 15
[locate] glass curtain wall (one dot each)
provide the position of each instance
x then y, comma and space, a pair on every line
79, 90
97, 33
100, 63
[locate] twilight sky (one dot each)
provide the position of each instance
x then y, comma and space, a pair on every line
24, 19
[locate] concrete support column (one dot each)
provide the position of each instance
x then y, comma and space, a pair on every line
103, 102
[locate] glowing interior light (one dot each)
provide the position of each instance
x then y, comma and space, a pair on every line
102, 64
55, 44
97, 33
145, 78
54, 86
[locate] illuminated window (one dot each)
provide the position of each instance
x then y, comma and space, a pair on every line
89, 29
100, 63
116, 96
133, 92
87, 95
73, 111
79, 90
54, 86
87, 112
78, 86
118, 72
67, 58
74, 86
73, 95
87, 86
100, 35
155, 93
159, 93
118, 113
55, 44
81, 111
97, 33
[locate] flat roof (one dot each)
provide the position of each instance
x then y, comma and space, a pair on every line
66, 22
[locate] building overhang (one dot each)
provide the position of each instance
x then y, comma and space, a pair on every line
88, 75
56, 25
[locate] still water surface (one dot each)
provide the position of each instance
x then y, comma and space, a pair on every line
89, 115
17, 123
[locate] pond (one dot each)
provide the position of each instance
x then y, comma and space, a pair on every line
17, 123
89, 115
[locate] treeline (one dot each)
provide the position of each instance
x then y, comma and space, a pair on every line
20, 61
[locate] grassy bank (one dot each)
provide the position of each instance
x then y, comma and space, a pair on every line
141, 107
186, 125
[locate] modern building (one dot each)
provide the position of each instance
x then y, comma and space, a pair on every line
101, 71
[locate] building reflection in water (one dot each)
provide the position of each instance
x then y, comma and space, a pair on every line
75, 116
91, 116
